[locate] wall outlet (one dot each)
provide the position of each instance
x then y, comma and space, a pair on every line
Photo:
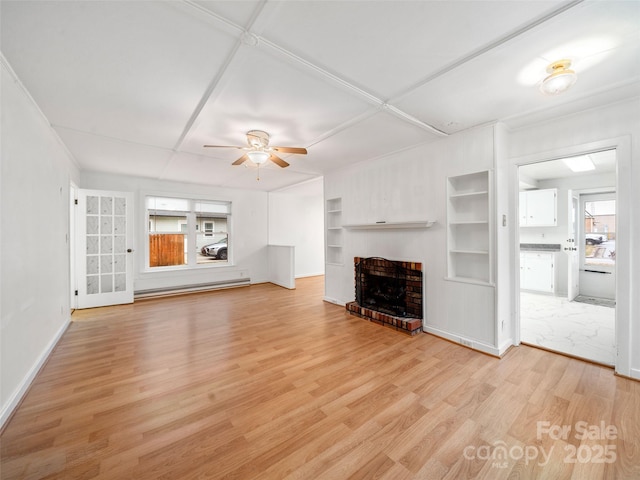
464, 342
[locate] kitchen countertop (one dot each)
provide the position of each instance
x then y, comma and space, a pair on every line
540, 247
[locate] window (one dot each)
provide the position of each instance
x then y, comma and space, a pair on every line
187, 232
600, 230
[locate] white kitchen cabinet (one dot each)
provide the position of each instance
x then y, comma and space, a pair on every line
537, 271
538, 208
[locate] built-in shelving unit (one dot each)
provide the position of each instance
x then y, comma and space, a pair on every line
468, 228
334, 235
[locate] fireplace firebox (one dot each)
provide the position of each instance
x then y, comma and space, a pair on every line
388, 292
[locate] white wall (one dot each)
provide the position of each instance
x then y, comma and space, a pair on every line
281, 265
36, 172
296, 218
248, 230
411, 186
615, 124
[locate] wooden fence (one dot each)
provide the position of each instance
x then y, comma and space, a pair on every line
166, 249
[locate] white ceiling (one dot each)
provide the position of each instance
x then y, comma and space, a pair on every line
603, 163
138, 87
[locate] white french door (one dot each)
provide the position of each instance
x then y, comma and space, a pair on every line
104, 248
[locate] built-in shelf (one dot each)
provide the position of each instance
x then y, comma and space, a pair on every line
469, 222
469, 194
468, 228
471, 252
333, 233
470, 280
381, 225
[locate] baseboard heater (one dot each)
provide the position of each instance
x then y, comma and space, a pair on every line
198, 287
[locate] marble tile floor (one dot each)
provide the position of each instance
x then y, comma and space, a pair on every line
577, 329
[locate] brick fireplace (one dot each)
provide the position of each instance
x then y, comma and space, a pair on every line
388, 292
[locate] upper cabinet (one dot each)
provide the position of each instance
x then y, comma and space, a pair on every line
538, 208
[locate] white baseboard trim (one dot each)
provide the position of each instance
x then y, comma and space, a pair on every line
635, 373
465, 342
18, 394
305, 275
506, 345
334, 301
200, 287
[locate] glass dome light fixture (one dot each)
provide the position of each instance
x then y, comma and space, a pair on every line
258, 156
560, 79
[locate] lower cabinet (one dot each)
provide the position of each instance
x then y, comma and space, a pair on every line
537, 271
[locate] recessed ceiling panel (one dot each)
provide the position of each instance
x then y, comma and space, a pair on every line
184, 167
261, 90
378, 135
129, 70
504, 82
387, 46
237, 12
100, 154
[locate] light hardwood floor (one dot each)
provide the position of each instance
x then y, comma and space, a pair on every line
267, 383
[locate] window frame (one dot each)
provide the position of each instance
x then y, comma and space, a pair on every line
585, 198
191, 232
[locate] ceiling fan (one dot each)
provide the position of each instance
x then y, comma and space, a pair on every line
259, 151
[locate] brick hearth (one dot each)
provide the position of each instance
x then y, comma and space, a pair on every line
407, 325
405, 314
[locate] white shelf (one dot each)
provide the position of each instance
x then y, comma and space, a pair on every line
469, 229
389, 225
469, 222
472, 281
471, 252
333, 234
468, 194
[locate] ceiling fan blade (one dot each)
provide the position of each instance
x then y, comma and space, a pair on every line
302, 151
241, 160
222, 146
278, 161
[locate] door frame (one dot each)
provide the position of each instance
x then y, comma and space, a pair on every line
73, 279
573, 245
622, 145
113, 296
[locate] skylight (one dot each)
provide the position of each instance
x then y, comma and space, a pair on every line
579, 164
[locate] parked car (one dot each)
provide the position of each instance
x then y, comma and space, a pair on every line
217, 250
595, 238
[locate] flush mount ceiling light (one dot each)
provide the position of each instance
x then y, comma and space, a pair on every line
560, 78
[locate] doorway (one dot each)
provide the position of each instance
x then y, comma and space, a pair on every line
567, 256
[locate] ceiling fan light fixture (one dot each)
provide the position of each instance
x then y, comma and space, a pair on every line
258, 156
560, 79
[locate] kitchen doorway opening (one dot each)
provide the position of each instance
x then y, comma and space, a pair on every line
567, 239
